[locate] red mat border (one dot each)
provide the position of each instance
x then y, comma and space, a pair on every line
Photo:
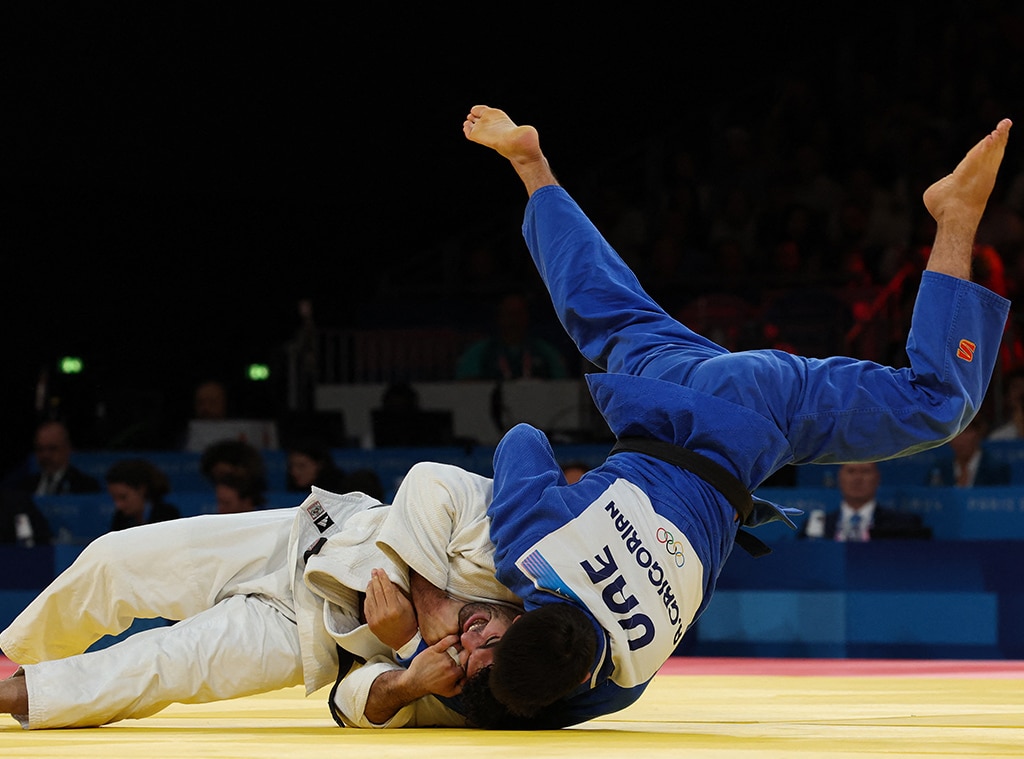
686, 665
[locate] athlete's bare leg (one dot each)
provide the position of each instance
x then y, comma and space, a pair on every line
493, 128
14, 694
957, 202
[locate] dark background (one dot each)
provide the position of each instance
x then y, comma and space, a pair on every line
175, 180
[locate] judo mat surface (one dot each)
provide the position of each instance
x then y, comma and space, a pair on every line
694, 708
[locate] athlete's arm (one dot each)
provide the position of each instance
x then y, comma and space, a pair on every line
437, 613
432, 672
352, 698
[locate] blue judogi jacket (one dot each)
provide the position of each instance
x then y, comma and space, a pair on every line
638, 543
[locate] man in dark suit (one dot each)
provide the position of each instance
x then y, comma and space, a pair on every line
860, 517
967, 465
56, 475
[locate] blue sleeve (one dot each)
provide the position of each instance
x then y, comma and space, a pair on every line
525, 468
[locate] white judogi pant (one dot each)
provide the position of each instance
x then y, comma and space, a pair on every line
227, 577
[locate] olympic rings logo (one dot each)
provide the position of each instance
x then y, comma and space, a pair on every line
673, 546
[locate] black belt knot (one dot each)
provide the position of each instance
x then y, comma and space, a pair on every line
711, 472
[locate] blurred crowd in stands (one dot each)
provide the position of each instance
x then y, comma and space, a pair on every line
785, 212
792, 218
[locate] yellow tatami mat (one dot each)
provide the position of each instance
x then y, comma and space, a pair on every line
976, 713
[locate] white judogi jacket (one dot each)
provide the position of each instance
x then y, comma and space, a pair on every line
437, 526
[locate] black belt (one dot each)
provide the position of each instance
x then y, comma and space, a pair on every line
346, 660
712, 473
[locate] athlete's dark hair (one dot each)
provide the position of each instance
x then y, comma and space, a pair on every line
140, 473
542, 657
483, 710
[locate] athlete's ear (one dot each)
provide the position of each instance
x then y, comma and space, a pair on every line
585, 678
515, 619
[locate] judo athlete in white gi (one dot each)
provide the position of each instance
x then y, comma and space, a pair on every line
627, 558
262, 598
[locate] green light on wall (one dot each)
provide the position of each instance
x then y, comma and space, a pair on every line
71, 365
258, 372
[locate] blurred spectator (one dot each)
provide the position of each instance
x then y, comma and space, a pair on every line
808, 321
512, 352
887, 216
724, 318
859, 516
209, 403
967, 465
56, 475
21, 521
400, 422
735, 219
811, 183
574, 470
735, 163
853, 248
678, 206
483, 272
303, 357
239, 491
138, 489
210, 400
1013, 408
213, 419
234, 457
310, 463
729, 273
668, 271
621, 217
365, 481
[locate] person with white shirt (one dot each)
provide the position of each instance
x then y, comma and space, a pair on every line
858, 484
1012, 427
967, 464
859, 517
55, 474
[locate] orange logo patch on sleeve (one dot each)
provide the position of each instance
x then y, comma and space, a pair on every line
966, 350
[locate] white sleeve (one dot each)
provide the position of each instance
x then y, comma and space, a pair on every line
438, 525
352, 692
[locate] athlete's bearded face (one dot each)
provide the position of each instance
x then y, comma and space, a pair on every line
481, 626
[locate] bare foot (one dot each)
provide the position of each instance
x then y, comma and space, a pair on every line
493, 128
961, 197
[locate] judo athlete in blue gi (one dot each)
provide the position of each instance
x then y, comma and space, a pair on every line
614, 569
